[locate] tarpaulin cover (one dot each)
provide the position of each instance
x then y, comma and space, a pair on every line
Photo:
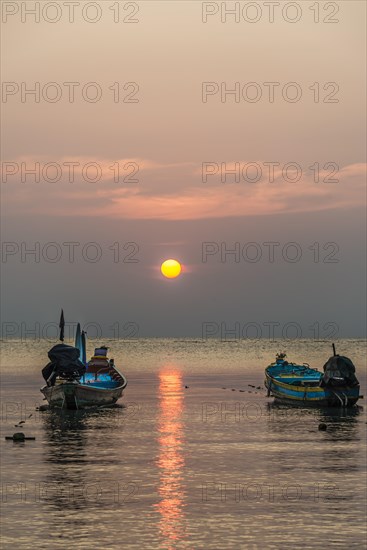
339, 370
64, 362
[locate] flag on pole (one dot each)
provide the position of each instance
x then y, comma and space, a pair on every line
62, 325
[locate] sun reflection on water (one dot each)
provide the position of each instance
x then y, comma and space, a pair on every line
171, 457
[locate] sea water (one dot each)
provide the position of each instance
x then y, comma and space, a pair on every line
195, 456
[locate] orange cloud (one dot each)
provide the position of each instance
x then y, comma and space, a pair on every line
176, 192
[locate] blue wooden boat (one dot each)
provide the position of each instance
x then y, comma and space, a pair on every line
303, 385
74, 383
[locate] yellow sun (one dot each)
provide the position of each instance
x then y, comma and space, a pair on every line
171, 269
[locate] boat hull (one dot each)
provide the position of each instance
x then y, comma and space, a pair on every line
311, 395
75, 395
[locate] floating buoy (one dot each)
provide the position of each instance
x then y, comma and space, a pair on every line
19, 436
322, 426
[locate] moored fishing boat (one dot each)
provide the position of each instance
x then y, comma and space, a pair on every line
74, 383
301, 384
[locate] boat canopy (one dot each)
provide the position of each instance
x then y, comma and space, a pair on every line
64, 363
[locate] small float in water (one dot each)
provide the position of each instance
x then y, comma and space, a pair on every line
74, 383
301, 384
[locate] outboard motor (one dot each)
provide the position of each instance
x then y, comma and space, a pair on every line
339, 371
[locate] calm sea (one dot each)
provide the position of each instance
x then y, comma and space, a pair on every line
197, 456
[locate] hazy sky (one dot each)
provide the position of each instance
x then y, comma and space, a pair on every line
150, 97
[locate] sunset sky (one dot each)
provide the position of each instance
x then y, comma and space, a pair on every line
166, 136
